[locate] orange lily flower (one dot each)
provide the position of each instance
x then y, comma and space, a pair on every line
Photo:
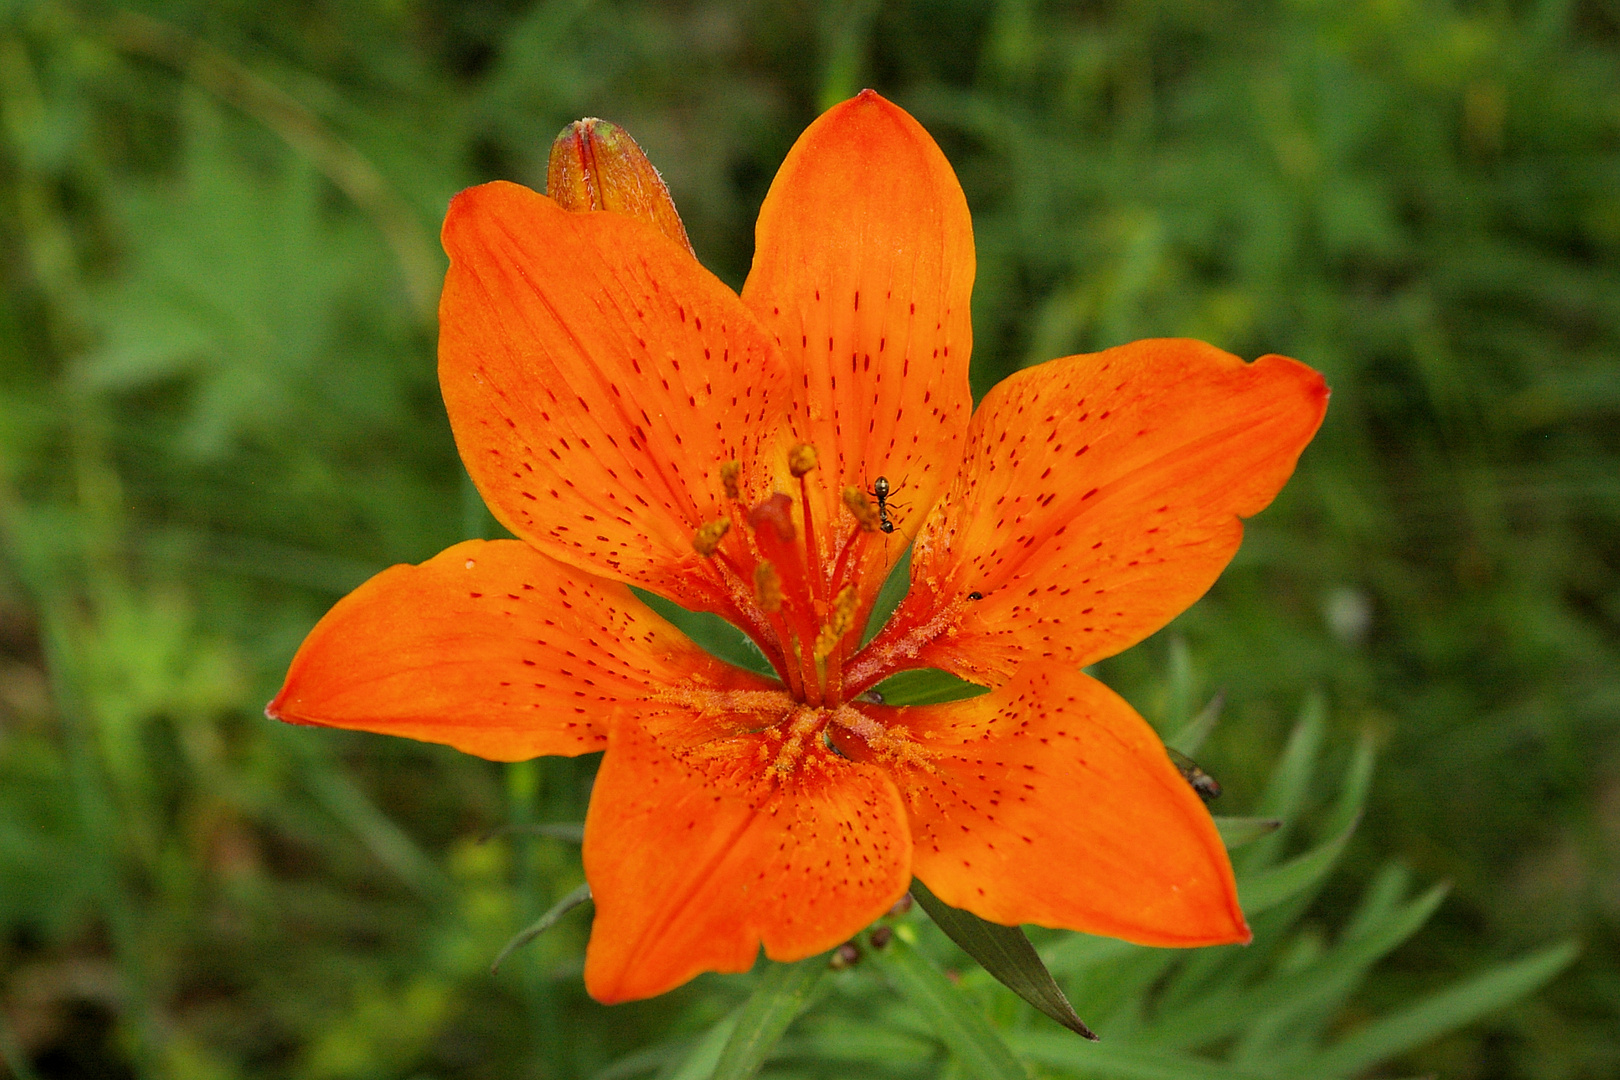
635, 422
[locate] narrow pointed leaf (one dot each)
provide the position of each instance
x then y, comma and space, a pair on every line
542, 924
1237, 831
1323, 985
1196, 730
572, 832
781, 997
1006, 953
1267, 889
926, 686
1120, 1061
700, 1063
954, 1017
1441, 1013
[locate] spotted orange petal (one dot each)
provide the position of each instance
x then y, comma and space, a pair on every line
1050, 801
1100, 496
863, 268
492, 648
596, 378
697, 856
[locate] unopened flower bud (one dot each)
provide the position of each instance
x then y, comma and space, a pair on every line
596, 165
802, 459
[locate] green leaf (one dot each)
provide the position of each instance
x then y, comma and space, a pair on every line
1006, 953
700, 1063
955, 1019
1441, 1013
926, 686
1271, 887
1122, 1061
781, 996
1290, 782
1190, 737
717, 637
571, 831
1215, 1016
894, 590
1237, 831
542, 924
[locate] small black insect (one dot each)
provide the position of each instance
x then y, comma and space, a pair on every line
1203, 783
975, 596
880, 492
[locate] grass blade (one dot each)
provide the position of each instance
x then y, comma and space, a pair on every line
700, 1063
1271, 887
1006, 953
953, 1015
1237, 831
542, 924
781, 997
1123, 1062
1442, 1012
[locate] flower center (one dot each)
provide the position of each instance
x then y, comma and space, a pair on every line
794, 583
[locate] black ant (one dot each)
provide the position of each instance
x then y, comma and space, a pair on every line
880, 491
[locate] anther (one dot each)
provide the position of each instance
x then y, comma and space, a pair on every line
729, 474
857, 503
841, 623
707, 540
802, 459
768, 588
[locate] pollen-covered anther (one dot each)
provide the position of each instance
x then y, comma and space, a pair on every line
841, 622
730, 474
768, 588
866, 513
803, 459
707, 539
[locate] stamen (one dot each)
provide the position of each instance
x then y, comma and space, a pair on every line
842, 621
707, 540
857, 503
803, 459
768, 588
729, 474
801, 462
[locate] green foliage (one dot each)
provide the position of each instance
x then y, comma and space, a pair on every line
218, 412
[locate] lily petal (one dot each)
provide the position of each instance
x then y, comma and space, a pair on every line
1100, 496
697, 857
597, 378
863, 269
1050, 801
492, 648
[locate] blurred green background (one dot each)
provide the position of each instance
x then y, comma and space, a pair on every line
218, 413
